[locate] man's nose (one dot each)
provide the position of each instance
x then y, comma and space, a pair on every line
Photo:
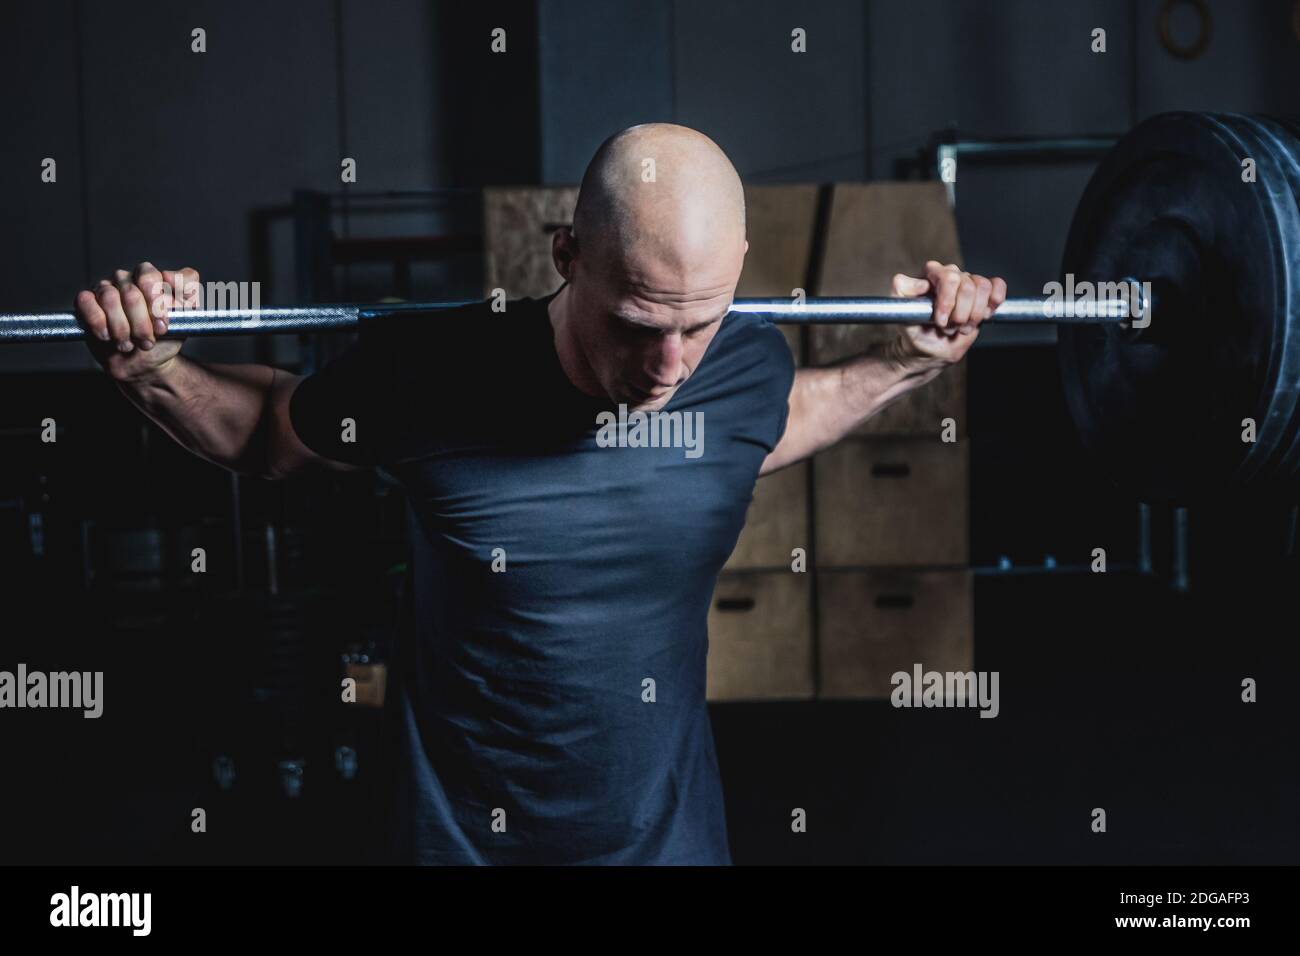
665, 363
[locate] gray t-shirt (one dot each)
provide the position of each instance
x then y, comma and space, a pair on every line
548, 702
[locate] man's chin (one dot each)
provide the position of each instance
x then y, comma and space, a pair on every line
650, 404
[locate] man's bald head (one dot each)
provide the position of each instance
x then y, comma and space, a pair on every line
651, 263
663, 190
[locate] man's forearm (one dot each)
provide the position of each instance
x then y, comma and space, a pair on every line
222, 413
827, 403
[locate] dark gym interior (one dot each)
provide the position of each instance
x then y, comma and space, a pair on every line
1119, 690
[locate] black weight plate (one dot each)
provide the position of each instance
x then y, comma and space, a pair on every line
1282, 140
1163, 413
1273, 148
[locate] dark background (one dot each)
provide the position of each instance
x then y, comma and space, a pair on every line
1117, 692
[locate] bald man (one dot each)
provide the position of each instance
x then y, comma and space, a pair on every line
548, 703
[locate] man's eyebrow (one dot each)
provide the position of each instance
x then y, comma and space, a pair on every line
633, 320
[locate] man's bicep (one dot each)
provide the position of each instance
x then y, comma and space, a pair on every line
785, 449
344, 412
288, 452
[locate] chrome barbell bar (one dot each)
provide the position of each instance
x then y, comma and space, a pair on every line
59, 326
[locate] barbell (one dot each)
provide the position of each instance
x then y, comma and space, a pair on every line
1186, 388
1130, 303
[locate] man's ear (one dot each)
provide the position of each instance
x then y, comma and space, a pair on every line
564, 249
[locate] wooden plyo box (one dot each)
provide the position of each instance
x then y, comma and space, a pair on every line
776, 523
779, 224
518, 223
875, 231
760, 637
875, 623
893, 502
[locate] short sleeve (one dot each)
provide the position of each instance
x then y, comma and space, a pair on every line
782, 378
347, 411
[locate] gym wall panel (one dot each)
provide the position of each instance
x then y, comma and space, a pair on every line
1006, 69
491, 106
603, 66
393, 124
182, 145
1011, 68
179, 152
182, 148
42, 253
1250, 65
803, 116
1024, 67
393, 94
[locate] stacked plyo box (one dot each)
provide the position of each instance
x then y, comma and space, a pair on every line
761, 622
518, 225
881, 519
891, 501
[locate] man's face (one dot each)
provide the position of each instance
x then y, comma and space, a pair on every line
645, 324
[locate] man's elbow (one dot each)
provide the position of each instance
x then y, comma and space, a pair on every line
277, 469
264, 459
285, 455
779, 458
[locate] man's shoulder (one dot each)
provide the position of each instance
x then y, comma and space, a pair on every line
750, 340
453, 342
750, 327
481, 316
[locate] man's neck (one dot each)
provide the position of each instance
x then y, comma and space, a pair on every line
567, 347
